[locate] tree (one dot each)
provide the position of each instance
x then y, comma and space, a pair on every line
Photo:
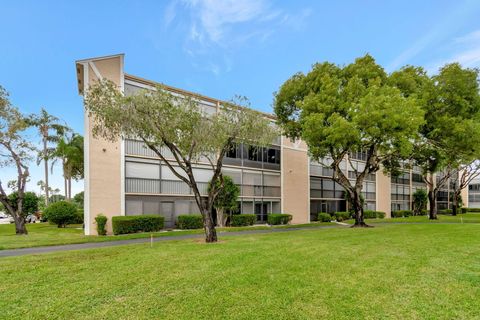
450, 135
226, 198
51, 131
61, 213
461, 179
165, 121
30, 203
420, 200
69, 151
15, 150
340, 110
79, 199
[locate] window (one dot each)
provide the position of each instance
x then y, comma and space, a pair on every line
142, 170
254, 153
271, 155
234, 152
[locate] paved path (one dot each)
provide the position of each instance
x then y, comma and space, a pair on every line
92, 245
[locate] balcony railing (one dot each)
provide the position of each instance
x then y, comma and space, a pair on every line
155, 186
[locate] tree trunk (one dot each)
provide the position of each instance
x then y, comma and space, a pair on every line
20, 228
209, 227
358, 210
432, 199
455, 207
45, 163
69, 189
220, 217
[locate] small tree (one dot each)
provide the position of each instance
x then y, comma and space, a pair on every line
420, 200
226, 198
61, 213
30, 203
15, 150
78, 199
461, 179
166, 122
340, 110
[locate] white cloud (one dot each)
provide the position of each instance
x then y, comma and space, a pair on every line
464, 50
214, 30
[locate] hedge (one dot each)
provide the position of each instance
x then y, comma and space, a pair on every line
133, 224
241, 220
342, 215
101, 221
464, 210
371, 214
445, 211
324, 217
402, 213
190, 221
278, 218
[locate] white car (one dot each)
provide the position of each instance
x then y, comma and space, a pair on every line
5, 219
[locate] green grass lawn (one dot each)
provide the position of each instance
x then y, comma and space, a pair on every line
44, 234
394, 271
461, 218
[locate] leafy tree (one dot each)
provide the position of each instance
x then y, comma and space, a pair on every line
226, 198
51, 131
164, 121
30, 202
420, 200
69, 151
461, 179
79, 198
339, 110
15, 150
450, 136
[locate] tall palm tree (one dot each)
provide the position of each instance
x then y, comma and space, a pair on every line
70, 152
51, 130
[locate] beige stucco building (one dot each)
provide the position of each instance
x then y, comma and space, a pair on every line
126, 178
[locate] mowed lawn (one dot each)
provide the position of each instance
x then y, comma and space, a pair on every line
45, 234
395, 271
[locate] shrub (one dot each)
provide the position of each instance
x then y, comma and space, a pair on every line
278, 218
101, 221
324, 217
241, 220
133, 224
342, 215
423, 212
190, 221
445, 211
371, 214
402, 213
473, 210
78, 217
61, 213
463, 210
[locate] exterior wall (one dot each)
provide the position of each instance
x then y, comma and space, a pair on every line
103, 159
383, 193
295, 180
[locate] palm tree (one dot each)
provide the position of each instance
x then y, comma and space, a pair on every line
70, 151
51, 130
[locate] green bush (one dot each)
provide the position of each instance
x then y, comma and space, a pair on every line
423, 212
133, 224
241, 220
402, 213
101, 221
324, 217
278, 218
475, 210
371, 214
463, 210
190, 221
79, 217
445, 211
342, 215
61, 213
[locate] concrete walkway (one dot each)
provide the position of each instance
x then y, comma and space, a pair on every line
93, 245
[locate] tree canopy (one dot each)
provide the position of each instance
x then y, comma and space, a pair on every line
339, 110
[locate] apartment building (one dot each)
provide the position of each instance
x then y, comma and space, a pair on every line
126, 178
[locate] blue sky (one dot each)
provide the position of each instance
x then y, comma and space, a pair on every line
218, 48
